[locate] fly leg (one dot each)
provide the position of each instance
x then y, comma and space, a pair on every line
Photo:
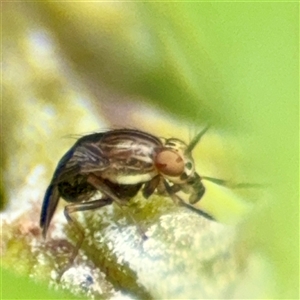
178, 201
151, 186
102, 187
157, 184
70, 209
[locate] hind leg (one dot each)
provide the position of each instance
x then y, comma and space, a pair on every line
68, 211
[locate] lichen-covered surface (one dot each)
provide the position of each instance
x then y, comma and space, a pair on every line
185, 255
71, 68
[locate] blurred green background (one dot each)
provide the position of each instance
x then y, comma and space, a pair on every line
166, 68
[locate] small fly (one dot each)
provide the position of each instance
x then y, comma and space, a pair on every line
120, 163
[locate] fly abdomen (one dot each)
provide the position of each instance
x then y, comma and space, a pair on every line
76, 189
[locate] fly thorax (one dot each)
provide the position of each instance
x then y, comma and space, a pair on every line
130, 159
173, 162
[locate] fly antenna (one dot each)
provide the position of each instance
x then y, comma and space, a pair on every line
196, 139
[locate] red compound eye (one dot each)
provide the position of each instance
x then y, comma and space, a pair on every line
169, 163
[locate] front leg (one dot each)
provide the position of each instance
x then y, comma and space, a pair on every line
178, 201
151, 186
157, 183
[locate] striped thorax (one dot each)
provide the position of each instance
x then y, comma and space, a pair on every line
131, 156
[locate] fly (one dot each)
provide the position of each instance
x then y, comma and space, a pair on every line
120, 163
